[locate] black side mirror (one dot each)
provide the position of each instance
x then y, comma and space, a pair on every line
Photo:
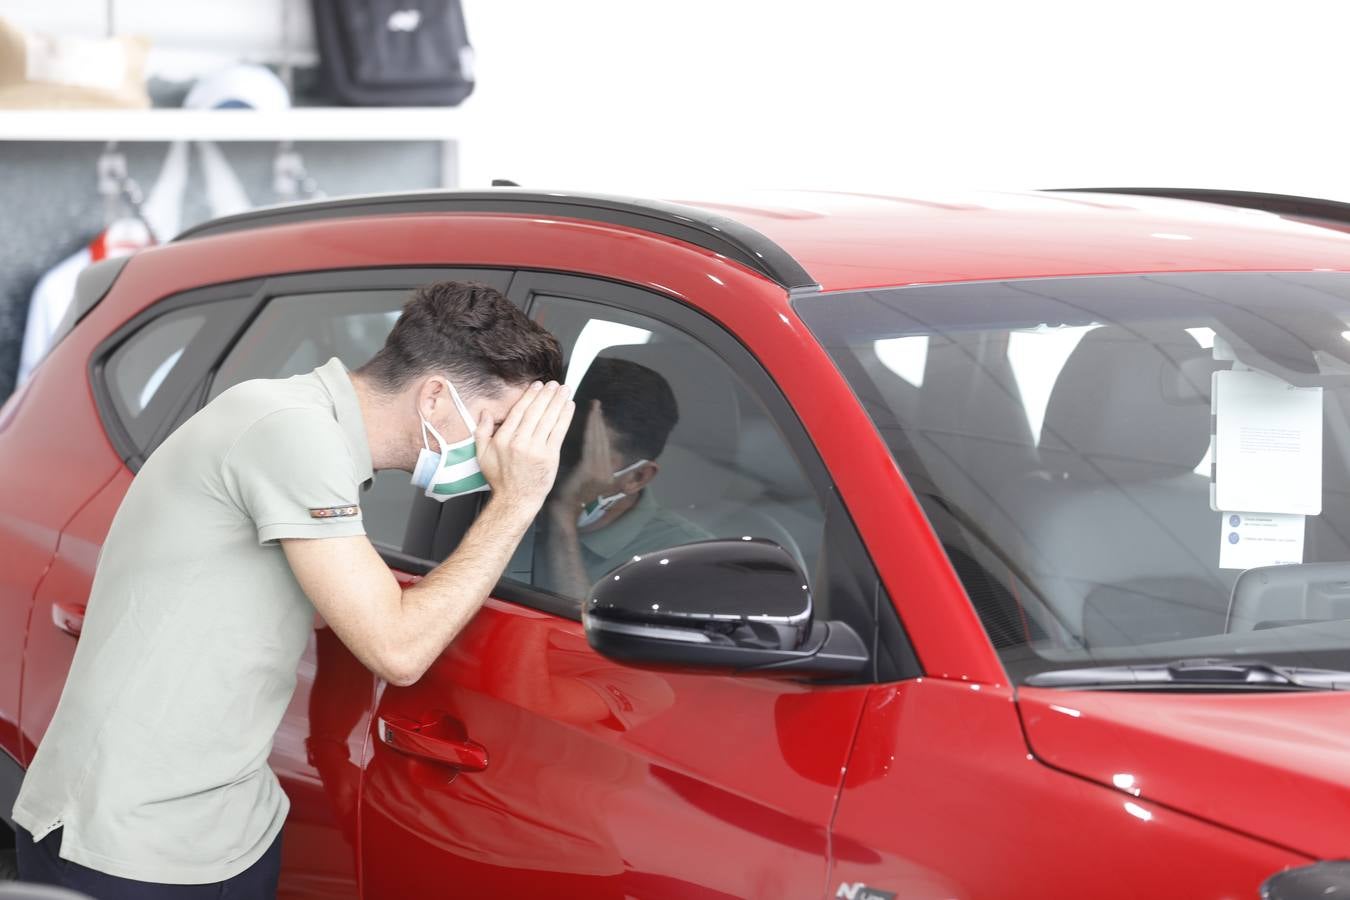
725, 604
1313, 882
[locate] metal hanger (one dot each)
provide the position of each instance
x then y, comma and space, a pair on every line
291, 180
119, 190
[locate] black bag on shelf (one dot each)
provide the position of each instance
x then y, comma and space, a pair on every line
394, 52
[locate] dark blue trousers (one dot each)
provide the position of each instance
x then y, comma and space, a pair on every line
41, 863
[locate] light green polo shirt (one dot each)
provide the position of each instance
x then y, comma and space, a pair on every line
155, 763
648, 526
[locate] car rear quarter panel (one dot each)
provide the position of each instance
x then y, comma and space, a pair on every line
67, 583
54, 456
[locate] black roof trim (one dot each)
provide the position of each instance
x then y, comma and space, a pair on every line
686, 223
1282, 204
91, 286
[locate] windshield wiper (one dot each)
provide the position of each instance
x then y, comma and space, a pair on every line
1219, 674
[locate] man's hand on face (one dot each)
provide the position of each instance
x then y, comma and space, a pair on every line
520, 459
594, 472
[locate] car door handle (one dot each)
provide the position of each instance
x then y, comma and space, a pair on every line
69, 617
441, 740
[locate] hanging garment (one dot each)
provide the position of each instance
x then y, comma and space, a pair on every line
234, 87
55, 290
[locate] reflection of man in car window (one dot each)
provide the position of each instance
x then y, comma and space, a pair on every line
600, 512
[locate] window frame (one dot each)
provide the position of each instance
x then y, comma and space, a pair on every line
187, 388
234, 304
852, 570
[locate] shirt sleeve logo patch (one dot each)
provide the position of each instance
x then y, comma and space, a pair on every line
335, 512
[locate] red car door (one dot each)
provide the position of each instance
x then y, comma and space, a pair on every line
543, 769
524, 763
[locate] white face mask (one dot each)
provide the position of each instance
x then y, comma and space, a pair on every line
595, 510
454, 470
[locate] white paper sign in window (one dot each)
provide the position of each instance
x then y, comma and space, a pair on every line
1248, 540
1268, 445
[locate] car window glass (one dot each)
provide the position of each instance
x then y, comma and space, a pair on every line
138, 369
698, 455
297, 334
1065, 440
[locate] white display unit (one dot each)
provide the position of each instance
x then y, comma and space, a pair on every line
298, 124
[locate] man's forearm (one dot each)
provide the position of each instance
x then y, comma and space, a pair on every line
435, 609
398, 633
567, 570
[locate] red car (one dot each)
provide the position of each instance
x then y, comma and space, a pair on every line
983, 609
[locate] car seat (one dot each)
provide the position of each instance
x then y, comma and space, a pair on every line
1115, 525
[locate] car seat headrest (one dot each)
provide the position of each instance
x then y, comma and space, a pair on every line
700, 453
1132, 399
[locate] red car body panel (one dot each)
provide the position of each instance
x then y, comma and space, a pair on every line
1282, 780
943, 800
852, 241
67, 459
64, 590
599, 781
605, 779
317, 757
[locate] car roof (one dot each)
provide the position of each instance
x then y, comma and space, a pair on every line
854, 240
810, 241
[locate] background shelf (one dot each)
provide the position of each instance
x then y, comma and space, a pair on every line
300, 124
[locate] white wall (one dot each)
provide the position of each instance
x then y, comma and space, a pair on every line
884, 95
679, 97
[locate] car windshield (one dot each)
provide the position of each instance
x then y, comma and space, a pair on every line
1123, 469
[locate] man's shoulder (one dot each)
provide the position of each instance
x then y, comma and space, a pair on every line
208, 435
272, 403
260, 397
253, 416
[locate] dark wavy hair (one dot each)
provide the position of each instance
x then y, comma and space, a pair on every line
470, 332
637, 403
